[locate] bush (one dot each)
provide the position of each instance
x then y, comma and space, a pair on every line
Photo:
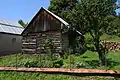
81, 65
58, 63
41, 64
71, 59
46, 64
31, 64
69, 62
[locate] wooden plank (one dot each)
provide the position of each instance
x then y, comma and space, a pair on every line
28, 43
24, 40
29, 50
62, 70
29, 46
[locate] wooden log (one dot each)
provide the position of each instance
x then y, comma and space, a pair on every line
28, 47
62, 70
28, 43
29, 50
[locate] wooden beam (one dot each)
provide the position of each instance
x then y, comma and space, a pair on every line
61, 70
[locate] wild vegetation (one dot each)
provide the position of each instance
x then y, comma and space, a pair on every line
95, 21
90, 17
21, 22
42, 76
88, 60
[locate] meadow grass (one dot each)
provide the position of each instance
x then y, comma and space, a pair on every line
13, 75
88, 60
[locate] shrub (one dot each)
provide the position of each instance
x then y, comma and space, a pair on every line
71, 59
46, 64
69, 62
31, 64
81, 65
58, 63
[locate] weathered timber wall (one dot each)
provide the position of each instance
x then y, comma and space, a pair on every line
55, 36
65, 42
34, 43
29, 44
112, 46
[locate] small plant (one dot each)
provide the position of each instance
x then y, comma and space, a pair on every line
81, 65
31, 64
48, 46
46, 64
71, 59
70, 62
58, 63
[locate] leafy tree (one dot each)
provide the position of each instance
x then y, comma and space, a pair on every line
93, 17
115, 29
62, 7
22, 23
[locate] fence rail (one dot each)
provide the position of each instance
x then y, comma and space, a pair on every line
61, 70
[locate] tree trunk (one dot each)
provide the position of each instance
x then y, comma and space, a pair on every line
102, 58
101, 52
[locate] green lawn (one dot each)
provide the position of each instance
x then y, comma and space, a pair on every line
88, 60
110, 38
42, 76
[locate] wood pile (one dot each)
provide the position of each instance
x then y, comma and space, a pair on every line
112, 46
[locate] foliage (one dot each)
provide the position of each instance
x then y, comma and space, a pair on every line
62, 7
92, 16
88, 60
81, 65
46, 64
13, 75
48, 46
87, 16
115, 29
22, 23
58, 63
31, 64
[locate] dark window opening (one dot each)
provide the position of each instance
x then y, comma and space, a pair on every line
13, 40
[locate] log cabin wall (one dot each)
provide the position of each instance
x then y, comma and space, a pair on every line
43, 26
34, 43
55, 36
29, 44
65, 42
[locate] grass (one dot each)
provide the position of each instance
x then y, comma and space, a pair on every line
43, 76
110, 38
87, 60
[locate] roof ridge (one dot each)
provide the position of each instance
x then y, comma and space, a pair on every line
59, 18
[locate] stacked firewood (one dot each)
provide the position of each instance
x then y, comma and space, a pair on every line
112, 46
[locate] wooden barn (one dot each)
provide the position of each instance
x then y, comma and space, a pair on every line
44, 25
